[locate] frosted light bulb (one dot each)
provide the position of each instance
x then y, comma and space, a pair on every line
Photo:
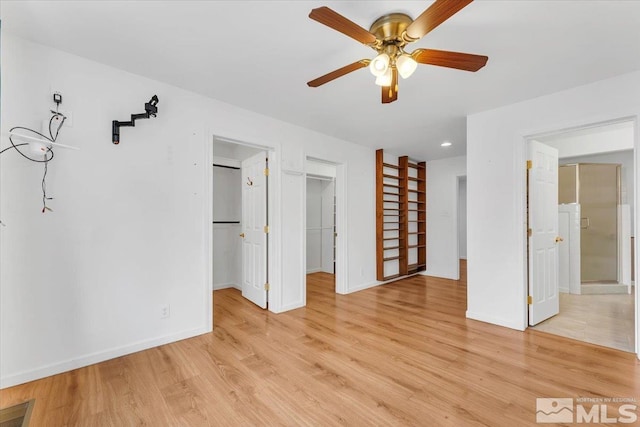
406, 65
379, 65
385, 79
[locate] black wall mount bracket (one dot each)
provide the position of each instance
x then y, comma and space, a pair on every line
150, 111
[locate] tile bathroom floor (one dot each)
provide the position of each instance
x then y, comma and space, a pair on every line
605, 320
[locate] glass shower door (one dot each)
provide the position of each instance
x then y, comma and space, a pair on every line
599, 195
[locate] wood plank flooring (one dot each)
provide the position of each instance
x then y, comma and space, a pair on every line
399, 354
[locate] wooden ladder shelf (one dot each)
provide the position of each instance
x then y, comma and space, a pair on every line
401, 217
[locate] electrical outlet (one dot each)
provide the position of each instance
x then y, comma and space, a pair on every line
165, 311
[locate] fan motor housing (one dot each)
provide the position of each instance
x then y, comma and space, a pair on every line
389, 28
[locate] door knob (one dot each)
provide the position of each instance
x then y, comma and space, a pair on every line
559, 239
242, 235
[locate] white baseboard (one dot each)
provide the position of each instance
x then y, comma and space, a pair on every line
364, 286
495, 320
439, 274
289, 307
314, 270
90, 359
218, 286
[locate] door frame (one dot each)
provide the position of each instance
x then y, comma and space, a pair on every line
340, 225
273, 214
456, 231
521, 156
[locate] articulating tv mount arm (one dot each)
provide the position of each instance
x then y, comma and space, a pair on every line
150, 111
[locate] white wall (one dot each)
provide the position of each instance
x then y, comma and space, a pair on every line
462, 218
496, 183
131, 227
442, 220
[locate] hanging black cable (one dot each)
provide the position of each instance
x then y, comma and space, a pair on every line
48, 154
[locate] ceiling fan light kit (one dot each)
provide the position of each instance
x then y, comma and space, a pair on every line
388, 36
379, 65
385, 79
406, 65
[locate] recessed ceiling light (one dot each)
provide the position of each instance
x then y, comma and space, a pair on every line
446, 144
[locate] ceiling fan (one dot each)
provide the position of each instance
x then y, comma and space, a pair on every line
388, 36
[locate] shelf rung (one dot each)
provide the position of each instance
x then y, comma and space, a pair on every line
415, 166
416, 232
391, 258
389, 165
391, 185
392, 194
391, 247
386, 175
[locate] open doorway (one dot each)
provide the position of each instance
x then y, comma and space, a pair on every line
593, 236
240, 220
462, 228
320, 225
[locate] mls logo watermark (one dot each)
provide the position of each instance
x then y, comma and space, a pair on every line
554, 410
587, 410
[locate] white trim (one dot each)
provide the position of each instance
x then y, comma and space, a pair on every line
274, 225
314, 270
456, 228
92, 358
224, 161
361, 287
341, 258
342, 239
219, 286
207, 218
499, 321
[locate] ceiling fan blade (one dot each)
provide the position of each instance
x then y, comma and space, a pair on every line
338, 73
445, 58
435, 15
390, 93
334, 20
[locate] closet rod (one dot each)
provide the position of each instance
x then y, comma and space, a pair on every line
225, 166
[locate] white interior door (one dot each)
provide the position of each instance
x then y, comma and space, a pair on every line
254, 221
543, 240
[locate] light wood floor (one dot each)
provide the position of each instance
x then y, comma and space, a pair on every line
399, 354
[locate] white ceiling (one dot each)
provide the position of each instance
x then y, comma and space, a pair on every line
259, 55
